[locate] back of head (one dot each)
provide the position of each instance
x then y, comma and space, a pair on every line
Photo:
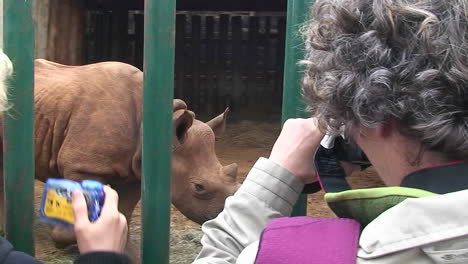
372, 61
6, 70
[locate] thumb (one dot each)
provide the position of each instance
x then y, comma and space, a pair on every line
80, 208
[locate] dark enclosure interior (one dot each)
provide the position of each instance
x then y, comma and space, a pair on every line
223, 58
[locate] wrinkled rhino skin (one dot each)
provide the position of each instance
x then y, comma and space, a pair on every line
87, 126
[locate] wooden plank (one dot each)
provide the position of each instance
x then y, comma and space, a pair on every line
86, 38
203, 65
254, 24
119, 31
98, 29
281, 37
52, 30
188, 65
139, 31
195, 91
238, 84
217, 65
76, 31
41, 16
261, 67
89, 52
222, 66
130, 43
179, 56
63, 19
211, 89
106, 36
65, 32
269, 68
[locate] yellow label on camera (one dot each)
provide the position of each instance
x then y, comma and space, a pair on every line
58, 207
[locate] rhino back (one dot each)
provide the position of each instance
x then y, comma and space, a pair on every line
87, 120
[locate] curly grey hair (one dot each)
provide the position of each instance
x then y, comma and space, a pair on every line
372, 61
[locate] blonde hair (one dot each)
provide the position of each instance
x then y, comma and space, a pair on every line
6, 70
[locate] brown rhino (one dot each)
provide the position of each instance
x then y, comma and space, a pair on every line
87, 126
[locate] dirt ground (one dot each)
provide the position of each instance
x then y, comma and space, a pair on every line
243, 143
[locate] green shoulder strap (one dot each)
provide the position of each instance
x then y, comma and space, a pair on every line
364, 205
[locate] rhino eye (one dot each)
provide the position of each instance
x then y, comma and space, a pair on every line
199, 188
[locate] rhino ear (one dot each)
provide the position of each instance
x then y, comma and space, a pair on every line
182, 120
178, 105
218, 124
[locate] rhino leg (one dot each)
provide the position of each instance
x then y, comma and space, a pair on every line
129, 195
62, 237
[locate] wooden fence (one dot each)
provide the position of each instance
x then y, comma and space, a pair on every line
222, 59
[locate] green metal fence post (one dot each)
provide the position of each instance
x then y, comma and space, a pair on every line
292, 101
159, 45
18, 144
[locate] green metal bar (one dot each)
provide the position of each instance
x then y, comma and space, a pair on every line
18, 157
293, 105
159, 45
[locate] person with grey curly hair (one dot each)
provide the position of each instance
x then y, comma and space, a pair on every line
391, 77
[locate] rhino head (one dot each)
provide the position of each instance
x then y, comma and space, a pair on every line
200, 184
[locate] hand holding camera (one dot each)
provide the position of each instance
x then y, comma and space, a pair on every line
295, 148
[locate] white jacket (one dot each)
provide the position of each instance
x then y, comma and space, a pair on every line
417, 231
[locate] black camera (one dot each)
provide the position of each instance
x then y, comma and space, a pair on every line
350, 152
328, 165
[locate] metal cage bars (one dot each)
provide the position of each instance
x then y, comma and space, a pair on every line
158, 65
159, 45
293, 105
18, 140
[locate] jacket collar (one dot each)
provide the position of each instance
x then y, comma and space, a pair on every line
422, 221
441, 179
416, 223
411, 223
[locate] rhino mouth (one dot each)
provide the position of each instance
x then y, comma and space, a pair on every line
205, 218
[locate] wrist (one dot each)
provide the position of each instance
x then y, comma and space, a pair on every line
306, 174
102, 257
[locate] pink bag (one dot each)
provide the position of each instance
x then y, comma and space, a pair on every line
301, 240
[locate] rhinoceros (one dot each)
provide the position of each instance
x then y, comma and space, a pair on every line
88, 126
